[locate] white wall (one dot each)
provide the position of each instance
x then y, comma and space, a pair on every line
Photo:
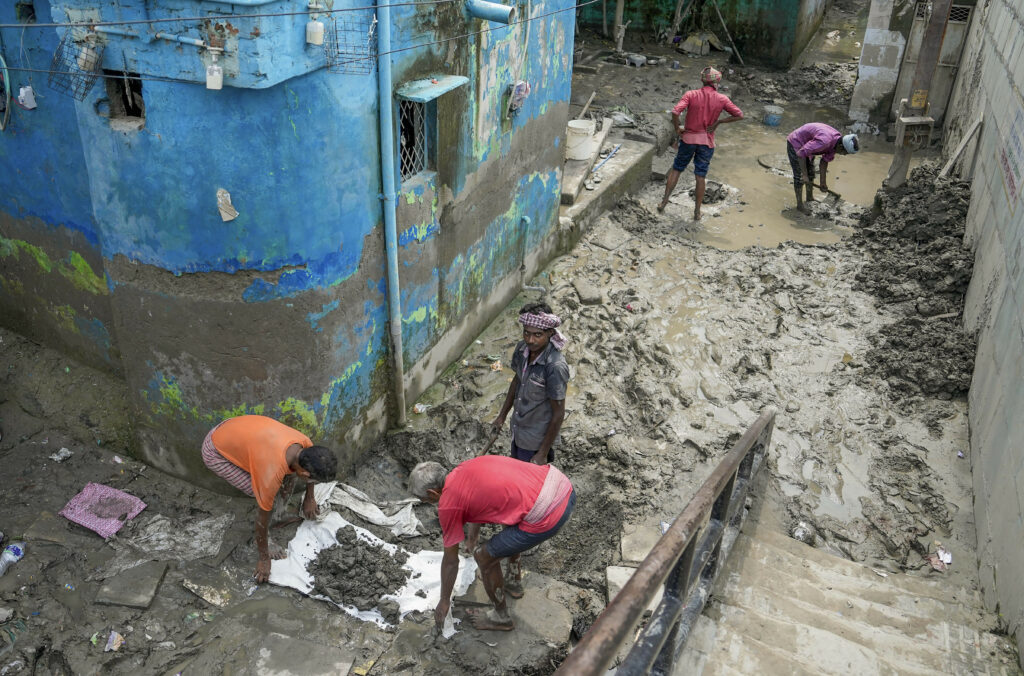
990, 81
880, 59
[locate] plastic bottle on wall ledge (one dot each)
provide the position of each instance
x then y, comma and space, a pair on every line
214, 74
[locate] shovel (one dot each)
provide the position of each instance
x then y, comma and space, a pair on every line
835, 197
490, 442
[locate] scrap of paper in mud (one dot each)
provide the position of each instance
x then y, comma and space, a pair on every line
421, 592
102, 509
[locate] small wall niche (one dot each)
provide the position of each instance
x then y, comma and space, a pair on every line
124, 91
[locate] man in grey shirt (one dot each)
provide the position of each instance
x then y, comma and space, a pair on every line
537, 392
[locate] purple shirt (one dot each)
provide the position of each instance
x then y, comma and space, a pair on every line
815, 138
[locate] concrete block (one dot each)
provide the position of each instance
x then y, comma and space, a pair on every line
638, 540
135, 587
616, 578
588, 293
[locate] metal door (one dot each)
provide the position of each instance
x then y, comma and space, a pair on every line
949, 59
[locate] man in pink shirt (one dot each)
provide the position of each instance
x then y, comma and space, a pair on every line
697, 138
808, 141
532, 501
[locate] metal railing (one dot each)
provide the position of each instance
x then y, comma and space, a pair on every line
686, 560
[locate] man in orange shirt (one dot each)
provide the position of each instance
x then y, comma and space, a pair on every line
254, 454
697, 137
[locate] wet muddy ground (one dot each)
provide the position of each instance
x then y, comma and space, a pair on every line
681, 333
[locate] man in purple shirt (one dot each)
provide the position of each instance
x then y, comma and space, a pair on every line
808, 141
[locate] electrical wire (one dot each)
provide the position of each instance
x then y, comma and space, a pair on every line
216, 17
157, 78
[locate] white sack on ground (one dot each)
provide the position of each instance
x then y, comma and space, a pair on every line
402, 523
425, 567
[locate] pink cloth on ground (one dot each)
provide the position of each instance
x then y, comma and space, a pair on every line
102, 509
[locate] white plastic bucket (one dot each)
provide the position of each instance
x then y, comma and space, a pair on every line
579, 139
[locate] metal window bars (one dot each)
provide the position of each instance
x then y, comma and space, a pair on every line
412, 147
351, 44
959, 14
75, 67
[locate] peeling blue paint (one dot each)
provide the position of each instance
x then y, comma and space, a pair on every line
314, 317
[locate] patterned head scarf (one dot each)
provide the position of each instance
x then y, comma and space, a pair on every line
544, 320
711, 77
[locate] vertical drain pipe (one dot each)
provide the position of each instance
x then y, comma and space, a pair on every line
389, 199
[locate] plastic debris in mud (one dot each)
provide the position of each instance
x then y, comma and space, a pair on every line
61, 455
804, 533
941, 558
496, 365
114, 642
102, 509
12, 554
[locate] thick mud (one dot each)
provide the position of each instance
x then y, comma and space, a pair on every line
847, 322
355, 572
920, 267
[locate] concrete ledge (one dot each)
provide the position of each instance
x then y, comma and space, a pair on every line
626, 173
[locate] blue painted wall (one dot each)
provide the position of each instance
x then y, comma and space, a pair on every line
282, 311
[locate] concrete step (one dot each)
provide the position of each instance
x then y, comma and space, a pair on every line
714, 648
878, 601
748, 632
781, 606
925, 643
785, 551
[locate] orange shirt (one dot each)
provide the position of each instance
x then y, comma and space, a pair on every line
257, 444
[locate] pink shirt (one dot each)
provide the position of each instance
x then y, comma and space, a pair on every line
703, 106
494, 489
815, 138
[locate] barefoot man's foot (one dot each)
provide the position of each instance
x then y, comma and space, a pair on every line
490, 620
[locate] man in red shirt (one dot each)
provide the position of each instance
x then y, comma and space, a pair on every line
532, 501
255, 454
697, 138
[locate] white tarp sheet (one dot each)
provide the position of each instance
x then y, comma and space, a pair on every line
425, 567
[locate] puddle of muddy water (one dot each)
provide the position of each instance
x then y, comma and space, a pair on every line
850, 23
764, 213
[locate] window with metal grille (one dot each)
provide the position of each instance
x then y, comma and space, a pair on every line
960, 13
921, 11
412, 147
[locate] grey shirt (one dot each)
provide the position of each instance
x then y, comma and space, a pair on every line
539, 382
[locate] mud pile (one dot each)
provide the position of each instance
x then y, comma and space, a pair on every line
918, 264
354, 572
830, 84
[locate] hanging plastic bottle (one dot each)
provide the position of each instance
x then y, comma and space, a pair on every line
87, 58
315, 32
214, 73
12, 554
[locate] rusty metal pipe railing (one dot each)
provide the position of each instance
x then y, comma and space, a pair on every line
689, 563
